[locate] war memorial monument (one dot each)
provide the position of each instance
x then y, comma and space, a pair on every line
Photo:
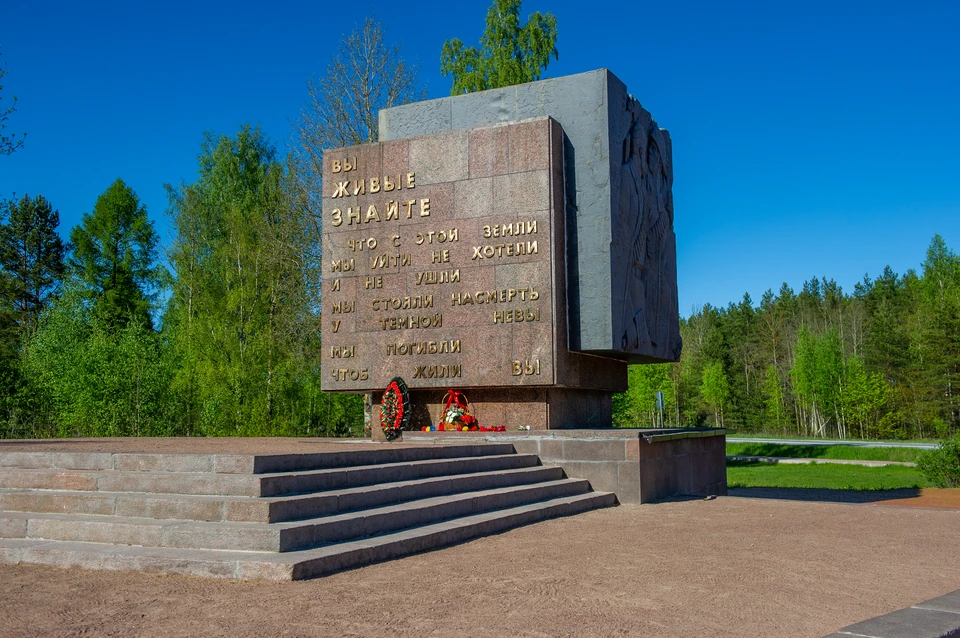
516, 244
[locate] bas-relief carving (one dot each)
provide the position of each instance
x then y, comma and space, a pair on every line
597, 114
644, 265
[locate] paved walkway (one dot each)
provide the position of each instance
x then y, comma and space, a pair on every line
782, 460
819, 442
923, 498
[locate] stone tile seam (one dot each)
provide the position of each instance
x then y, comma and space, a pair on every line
923, 607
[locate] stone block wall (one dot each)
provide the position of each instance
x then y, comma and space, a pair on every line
639, 466
618, 179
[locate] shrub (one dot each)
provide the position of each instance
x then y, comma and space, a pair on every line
942, 465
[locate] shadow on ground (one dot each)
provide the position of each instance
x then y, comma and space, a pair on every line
825, 495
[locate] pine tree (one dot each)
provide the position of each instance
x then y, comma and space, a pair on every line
114, 257
31, 255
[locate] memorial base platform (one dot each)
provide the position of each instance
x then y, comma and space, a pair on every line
639, 466
283, 516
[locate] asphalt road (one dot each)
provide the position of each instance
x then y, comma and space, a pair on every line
920, 446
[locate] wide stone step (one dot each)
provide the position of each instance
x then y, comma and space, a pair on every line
295, 565
240, 463
276, 537
262, 510
119, 481
209, 483
336, 478
298, 507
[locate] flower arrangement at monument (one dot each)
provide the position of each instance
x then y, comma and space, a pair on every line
456, 417
394, 409
455, 414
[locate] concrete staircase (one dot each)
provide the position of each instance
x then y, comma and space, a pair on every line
279, 517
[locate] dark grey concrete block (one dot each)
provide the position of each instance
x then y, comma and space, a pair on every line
618, 183
908, 623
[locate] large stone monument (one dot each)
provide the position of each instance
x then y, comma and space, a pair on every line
516, 244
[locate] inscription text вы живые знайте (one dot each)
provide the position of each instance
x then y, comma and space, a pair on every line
390, 257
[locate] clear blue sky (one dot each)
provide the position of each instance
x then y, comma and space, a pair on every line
810, 138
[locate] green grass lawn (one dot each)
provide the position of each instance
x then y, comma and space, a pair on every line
824, 476
825, 452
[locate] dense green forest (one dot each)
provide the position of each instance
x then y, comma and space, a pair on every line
882, 362
97, 338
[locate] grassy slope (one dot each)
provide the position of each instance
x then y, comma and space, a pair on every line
824, 452
824, 476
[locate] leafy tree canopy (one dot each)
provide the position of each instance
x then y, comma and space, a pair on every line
510, 52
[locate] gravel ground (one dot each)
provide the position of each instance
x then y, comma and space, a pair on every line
728, 566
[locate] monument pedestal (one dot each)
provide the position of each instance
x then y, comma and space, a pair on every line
516, 408
515, 244
639, 466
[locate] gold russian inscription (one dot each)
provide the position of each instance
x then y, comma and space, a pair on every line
437, 372
489, 251
336, 326
520, 315
441, 256
431, 277
502, 295
412, 322
342, 265
438, 236
525, 367
393, 212
343, 307
344, 165
373, 282
372, 185
335, 285
359, 244
351, 374
510, 230
402, 303
391, 261
403, 348
343, 352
